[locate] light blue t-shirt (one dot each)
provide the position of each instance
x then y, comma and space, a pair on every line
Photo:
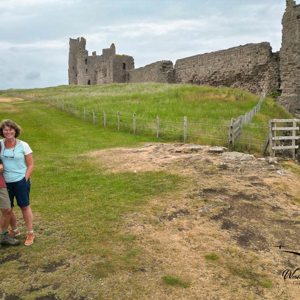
14, 161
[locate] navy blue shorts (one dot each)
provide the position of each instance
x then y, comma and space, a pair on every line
20, 190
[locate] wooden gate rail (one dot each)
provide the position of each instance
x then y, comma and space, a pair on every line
276, 140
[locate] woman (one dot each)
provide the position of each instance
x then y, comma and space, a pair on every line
18, 166
5, 238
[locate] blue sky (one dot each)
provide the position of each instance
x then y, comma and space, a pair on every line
34, 34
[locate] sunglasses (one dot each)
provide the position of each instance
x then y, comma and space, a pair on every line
6, 156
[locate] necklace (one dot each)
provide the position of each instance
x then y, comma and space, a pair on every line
9, 155
13, 144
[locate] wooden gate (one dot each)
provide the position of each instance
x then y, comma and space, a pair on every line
283, 137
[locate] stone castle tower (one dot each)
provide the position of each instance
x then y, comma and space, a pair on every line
252, 67
290, 58
97, 69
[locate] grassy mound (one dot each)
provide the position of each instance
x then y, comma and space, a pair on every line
208, 110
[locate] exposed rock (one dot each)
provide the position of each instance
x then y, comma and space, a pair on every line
272, 160
217, 149
237, 156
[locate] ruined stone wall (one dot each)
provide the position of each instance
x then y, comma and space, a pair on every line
97, 69
76, 50
290, 58
120, 65
88, 66
161, 71
252, 67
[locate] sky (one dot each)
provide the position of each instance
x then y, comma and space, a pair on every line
34, 34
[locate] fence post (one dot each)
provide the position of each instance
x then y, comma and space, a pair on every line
75, 110
134, 124
118, 114
84, 113
185, 129
69, 108
272, 153
63, 105
94, 120
231, 134
240, 125
104, 118
157, 126
294, 139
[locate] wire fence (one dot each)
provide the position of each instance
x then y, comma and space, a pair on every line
205, 131
236, 125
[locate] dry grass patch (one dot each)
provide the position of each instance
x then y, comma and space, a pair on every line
149, 157
215, 237
10, 99
217, 234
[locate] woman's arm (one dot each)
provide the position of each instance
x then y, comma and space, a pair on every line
29, 163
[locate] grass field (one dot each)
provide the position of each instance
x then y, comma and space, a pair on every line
80, 209
70, 196
209, 110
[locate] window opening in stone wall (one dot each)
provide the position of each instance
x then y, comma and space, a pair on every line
85, 61
85, 70
89, 82
124, 66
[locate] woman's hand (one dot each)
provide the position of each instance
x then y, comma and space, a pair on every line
1, 168
29, 163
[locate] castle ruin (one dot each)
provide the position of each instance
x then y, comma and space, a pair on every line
252, 67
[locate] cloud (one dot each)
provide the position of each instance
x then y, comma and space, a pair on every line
36, 45
11, 4
34, 34
177, 38
35, 64
32, 75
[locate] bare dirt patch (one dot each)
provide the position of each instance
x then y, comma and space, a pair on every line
220, 233
7, 104
10, 99
10, 257
52, 267
150, 157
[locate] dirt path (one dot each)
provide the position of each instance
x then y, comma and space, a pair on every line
10, 99
7, 103
221, 234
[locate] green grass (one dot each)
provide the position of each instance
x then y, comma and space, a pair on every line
79, 209
251, 277
211, 256
208, 109
293, 167
256, 132
78, 188
174, 281
170, 102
